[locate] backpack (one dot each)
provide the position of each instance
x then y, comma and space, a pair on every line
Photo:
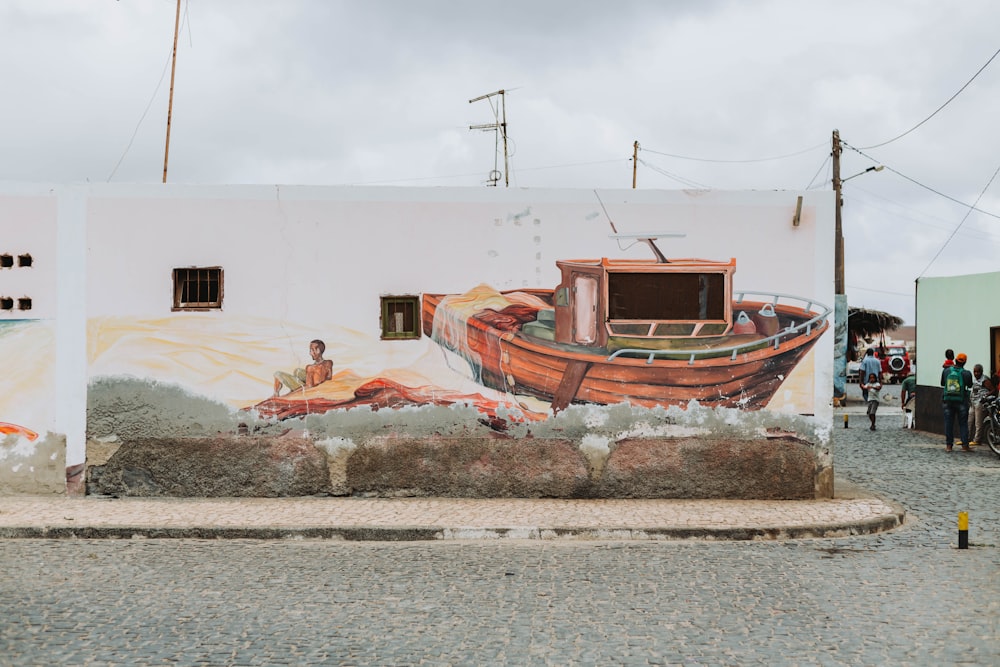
954, 385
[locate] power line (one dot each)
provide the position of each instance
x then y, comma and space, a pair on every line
926, 187
141, 118
574, 164
880, 291
675, 177
763, 159
152, 98
434, 178
964, 218
910, 215
414, 178
884, 143
826, 161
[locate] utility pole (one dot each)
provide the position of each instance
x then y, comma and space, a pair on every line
635, 160
170, 104
500, 124
840, 309
838, 251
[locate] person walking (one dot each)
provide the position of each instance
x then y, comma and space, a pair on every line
908, 399
874, 388
870, 364
977, 406
955, 402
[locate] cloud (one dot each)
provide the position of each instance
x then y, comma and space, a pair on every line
338, 92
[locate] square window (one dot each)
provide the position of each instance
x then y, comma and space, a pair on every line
24, 303
400, 317
24, 260
198, 288
6, 261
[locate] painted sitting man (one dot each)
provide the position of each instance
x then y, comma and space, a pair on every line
318, 372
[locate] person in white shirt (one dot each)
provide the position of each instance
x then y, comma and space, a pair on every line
874, 390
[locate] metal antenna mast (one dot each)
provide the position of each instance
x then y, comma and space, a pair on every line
500, 124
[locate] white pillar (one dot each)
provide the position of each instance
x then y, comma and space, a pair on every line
71, 321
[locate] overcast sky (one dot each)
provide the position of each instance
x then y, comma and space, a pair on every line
377, 93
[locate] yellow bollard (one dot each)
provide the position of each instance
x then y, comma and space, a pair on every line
963, 530
845, 420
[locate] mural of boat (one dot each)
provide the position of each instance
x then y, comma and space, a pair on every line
647, 332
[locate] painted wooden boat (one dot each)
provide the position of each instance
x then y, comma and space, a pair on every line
650, 333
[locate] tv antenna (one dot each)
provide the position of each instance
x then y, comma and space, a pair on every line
499, 127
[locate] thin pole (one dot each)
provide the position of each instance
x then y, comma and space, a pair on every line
838, 250
840, 317
635, 159
170, 104
506, 166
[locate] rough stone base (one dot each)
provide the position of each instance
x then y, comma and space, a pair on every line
470, 467
474, 466
226, 466
761, 469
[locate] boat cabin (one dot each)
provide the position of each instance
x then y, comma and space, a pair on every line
642, 303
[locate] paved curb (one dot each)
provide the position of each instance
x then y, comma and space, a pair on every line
888, 516
419, 533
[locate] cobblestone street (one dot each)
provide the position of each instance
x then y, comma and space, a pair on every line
908, 596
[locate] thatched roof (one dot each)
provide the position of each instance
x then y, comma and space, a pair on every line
865, 323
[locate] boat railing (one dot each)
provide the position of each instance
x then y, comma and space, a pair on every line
815, 315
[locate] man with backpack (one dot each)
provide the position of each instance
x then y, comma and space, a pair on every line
956, 383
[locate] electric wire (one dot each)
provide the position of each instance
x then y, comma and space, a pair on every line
880, 291
912, 216
466, 175
163, 74
926, 187
978, 72
149, 104
826, 161
675, 177
413, 178
574, 164
763, 159
964, 218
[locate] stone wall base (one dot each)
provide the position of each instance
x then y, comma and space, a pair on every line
222, 467
781, 467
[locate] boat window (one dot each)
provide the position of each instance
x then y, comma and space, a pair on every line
676, 329
6, 261
24, 260
620, 329
666, 296
713, 329
198, 288
400, 317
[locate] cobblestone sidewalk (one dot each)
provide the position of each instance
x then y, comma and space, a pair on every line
854, 513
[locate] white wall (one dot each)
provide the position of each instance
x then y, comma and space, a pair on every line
290, 252
312, 258
28, 347
28, 226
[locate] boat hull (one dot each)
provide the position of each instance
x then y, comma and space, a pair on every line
513, 362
